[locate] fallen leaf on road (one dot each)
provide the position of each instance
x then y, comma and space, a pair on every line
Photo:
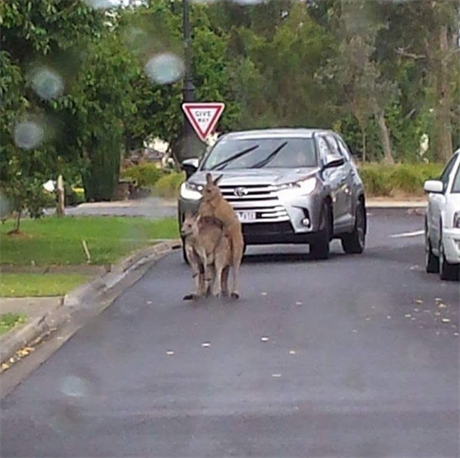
276, 375
264, 339
5, 366
437, 313
263, 293
419, 301
368, 319
170, 353
437, 299
205, 344
445, 320
416, 310
455, 333
407, 315
413, 318
149, 302
355, 331
442, 306
388, 317
292, 352
298, 303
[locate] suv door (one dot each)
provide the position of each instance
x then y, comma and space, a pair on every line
333, 179
345, 194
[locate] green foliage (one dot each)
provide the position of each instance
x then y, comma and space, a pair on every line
398, 180
146, 175
169, 185
36, 285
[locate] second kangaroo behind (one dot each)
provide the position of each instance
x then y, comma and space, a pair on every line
214, 205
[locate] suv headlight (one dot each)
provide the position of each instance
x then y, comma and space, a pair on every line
457, 220
191, 191
303, 187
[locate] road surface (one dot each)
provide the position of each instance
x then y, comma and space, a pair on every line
357, 356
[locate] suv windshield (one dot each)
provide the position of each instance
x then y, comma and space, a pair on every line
262, 153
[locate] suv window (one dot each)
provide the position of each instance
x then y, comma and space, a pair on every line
447, 171
334, 146
344, 149
323, 148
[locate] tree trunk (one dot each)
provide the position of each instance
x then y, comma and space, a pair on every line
384, 135
444, 99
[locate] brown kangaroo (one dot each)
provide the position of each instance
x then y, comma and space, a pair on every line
208, 252
214, 205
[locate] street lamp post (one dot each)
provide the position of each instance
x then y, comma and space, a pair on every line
190, 140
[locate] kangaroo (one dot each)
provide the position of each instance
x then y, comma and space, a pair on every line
208, 252
214, 205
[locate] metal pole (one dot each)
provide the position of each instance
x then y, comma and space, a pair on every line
188, 91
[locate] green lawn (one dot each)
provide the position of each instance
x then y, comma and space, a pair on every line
58, 241
9, 321
35, 285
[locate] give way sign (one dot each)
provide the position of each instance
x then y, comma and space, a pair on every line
203, 116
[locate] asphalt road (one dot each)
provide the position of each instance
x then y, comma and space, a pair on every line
344, 358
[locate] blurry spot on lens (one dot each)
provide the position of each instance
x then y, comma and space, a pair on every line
165, 68
5, 206
102, 4
248, 2
47, 84
28, 135
74, 387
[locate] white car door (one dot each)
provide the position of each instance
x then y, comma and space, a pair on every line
436, 204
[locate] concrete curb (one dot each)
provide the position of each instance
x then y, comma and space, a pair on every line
83, 297
388, 204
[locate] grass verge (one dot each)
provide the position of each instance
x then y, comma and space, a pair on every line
58, 241
10, 320
39, 285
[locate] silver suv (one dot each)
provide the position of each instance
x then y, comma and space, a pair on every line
286, 186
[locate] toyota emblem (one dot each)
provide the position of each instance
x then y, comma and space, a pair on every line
240, 192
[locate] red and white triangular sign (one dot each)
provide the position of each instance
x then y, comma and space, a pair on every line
203, 116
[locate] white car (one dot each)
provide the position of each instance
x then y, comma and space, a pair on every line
442, 223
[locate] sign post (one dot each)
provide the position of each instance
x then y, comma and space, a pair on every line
203, 116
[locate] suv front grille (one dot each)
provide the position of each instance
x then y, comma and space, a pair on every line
259, 198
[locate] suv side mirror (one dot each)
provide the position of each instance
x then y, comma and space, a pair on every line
434, 186
190, 166
332, 161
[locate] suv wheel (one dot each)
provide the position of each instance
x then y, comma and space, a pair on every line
319, 249
447, 272
355, 242
431, 261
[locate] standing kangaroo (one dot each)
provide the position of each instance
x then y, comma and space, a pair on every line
208, 252
214, 205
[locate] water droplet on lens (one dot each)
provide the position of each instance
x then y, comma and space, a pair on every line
101, 4
248, 2
47, 84
166, 68
28, 134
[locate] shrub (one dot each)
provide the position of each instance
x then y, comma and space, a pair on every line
168, 186
146, 175
399, 179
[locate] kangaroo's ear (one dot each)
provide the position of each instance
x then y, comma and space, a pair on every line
216, 181
209, 179
197, 219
